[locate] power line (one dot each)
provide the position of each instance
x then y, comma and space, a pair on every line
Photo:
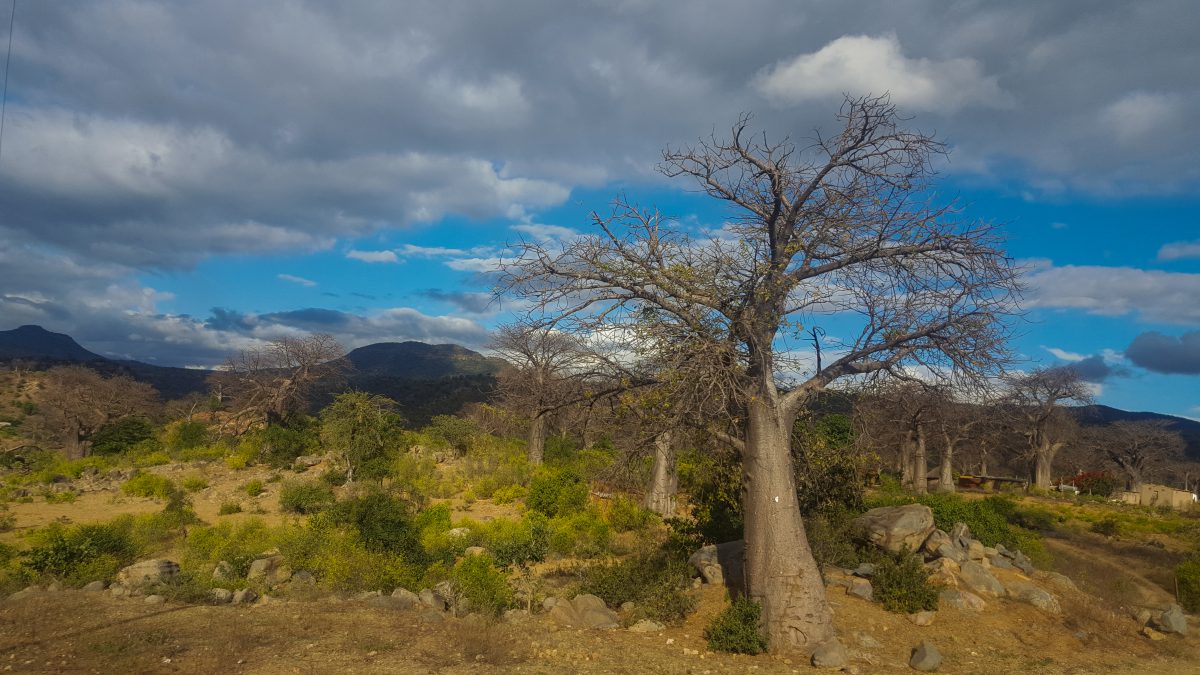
12, 16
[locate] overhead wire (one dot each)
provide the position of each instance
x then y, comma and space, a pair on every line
12, 16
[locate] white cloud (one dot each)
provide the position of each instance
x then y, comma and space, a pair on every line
429, 251
1180, 250
491, 264
1064, 355
1166, 297
1138, 115
861, 65
293, 279
545, 232
373, 256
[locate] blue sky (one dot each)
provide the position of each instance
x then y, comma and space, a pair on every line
179, 182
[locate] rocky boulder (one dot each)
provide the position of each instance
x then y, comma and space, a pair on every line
925, 658
979, 580
894, 528
721, 564
405, 599
585, 611
1030, 593
1172, 620
830, 654
147, 572
271, 570
962, 600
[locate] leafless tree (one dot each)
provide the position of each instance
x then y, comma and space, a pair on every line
80, 401
1035, 401
1140, 449
270, 383
841, 230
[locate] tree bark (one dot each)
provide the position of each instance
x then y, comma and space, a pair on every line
946, 474
536, 441
907, 467
1043, 463
920, 463
664, 478
781, 574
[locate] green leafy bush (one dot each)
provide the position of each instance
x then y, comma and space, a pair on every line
452, 432
517, 541
280, 445
122, 435
228, 508
713, 483
557, 492
339, 560
829, 471
1188, 576
509, 494
195, 483
1109, 527
186, 435
626, 515
238, 544
383, 522
305, 497
149, 485
737, 629
831, 536
82, 553
253, 488
583, 534
901, 584
656, 582
485, 588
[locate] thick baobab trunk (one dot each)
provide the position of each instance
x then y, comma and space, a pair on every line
664, 477
907, 467
946, 472
75, 444
781, 573
920, 463
1043, 463
536, 442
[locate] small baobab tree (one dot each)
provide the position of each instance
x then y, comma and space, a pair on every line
1035, 401
269, 383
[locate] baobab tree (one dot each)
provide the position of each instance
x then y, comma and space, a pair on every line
81, 401
1035, 401
269, 383
841, 232
1138, 448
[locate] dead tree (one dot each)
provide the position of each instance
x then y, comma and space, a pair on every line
1139, 449
81, 401
270, 383
1035, 403
840, 231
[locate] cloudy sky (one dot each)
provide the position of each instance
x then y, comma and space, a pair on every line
180, 179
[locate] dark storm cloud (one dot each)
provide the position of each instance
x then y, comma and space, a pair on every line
1095, 369
474, 303
1166, 354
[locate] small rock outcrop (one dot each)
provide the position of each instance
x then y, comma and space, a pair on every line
1030, 593
720, 564
894, 528
221, 595
406, 599
925, 658
271, 570
830, 654
1172, 620
979, 580
646, 626
95, 587
585, 611
962, 600
148, 572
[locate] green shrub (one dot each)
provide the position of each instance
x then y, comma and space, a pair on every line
253, 488
1188, 576
383, 522
517, 541
122, 435
901, 584
714, 484
1109, 527
186, 435
305, 497
829, 470
831, 536
64, 497
148, 485
238, 544
452, 432
82, 553
583, 534
195, 483
149, 459
656, 582
482, 585
557, 492
508, 494
737, 629
626, 515
339, 560
228, 508
279, 446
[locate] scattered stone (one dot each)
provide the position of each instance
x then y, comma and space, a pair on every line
1030, 593
25, 593
54, 587
1023, 563
1153, 634
975, 550
95, 587
960, 532
431, 600
1060, 582
922, 618
406, 599
935, 542
628, 606
148, 572
990, 552
452, 600
221, 595
459, 532
270, 570
1001, 562
549, 602
979, 580
719, 563
893, 528
118, 591
861, 588
962, 600
1172, 621
223, 572
1142, 615
244, 596
830, 654
646, 626
942, 572
303, 577
475, 550
306, 461
925, 657
866, 570
585, 611
865, 641
154, 600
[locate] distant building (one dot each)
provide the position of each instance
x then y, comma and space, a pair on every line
1160, 495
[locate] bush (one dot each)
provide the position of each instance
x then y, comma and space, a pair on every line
122, 435
383, 522
657, 582
831, 537
714, 484
517, 541
584, 534
340, 561
453, 432
149, 485
64, 497
82, 553
186, 435
829, 471
1108, 527
1188, 576
228, 508
901, 584
485, 588
238, 544
195, 483
253, 488
1100, 483
626, 515
737, 629
305, 497
279, 446
509, 494
557, 492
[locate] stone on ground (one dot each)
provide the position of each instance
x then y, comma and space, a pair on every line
272, 570
221, 595
646, 626
718, 564
894, 528
1172, 621
154, 600
978, 580
1030, 593
962, 600
830, 654
925, 657
95, 586
585, 611
405, 599
148, 572
860, 588
922, 618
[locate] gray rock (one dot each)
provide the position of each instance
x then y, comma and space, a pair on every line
244, 596
475, 550
866, 570
865, 641
830, 654
934, 541
306, 461
154, 600
962, 600
720, 564
270, 570
223, 572
147, 572
975, 549
925, 658
959, 532
628, 606
1141, 615
119, 591
431, 600
594, 613
95, 587
647, 626
221, 595
1023, 563
990, 552
1059, 582
979, 580
1032, 594
922, 618
516, 615
549, 602
303, 577
894, 528
25, 593
406, 598
1001, 562
861, 588
1172, 621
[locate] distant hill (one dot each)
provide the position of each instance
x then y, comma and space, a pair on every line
1097, 415
424, 379
35, 343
